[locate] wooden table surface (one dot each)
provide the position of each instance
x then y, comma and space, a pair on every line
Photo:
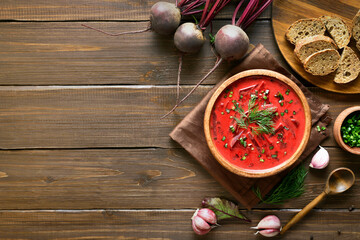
84, 154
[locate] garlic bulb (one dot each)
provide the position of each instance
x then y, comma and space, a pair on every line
269, 226
203, 221
321, 159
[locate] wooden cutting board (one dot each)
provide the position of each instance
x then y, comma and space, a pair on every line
285, 12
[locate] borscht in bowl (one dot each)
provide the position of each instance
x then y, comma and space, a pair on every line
257, 123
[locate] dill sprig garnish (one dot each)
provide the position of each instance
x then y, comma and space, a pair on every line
262, 118
292, 186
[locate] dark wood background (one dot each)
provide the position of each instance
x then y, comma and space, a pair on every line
83, 154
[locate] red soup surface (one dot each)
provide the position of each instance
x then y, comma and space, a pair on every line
257, 122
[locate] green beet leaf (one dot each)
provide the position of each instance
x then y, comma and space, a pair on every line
224, 209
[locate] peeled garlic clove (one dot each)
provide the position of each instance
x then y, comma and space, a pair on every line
321, 159
208, 215
269, 226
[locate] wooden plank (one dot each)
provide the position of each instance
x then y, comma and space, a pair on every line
102, 116
65, 53
69, 10
168, 224
133, 179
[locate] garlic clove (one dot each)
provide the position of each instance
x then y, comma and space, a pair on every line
269, 226
321, 159
269, 232
208, 215
201, 223
199, 231
270, 221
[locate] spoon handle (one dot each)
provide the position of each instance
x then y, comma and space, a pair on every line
303, 212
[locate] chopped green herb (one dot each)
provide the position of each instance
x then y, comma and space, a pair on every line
281, 103
222, 113
245, 154
287, 92
291, 101
252, 149
232, 129
245, 144
231, 117
225, 96
286, 111
262, 160
279, 95
294, 112
227, 110
243, 158
323, 128
318, 128
223, 138
282, 114
263, 150
227, 90
350, 130
264, 97
267, 91
274, 155
230, 96
241, 96
285, 153
233, 108
225, 145
231, 92
271, 147
259, 155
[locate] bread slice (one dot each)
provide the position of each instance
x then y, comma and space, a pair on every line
356, 27
309, 45
349, 67
323, 62
304, 28
358, 45
337, 29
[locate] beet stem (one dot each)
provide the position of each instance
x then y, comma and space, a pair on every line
218, 62
178, 78
236, 12
205, 10
118, 34
256, 14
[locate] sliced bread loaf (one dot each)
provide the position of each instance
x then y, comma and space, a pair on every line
323, 62
309, 45
337, 29
304, 28
349, 67
356, 27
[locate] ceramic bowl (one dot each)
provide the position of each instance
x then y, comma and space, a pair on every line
337, 129
257, 173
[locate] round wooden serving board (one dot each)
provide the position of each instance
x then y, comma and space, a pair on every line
285, 12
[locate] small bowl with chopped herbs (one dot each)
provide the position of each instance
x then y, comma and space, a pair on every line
347, 130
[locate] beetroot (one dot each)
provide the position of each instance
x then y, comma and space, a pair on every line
164, 17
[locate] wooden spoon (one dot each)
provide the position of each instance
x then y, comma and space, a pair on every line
339, 180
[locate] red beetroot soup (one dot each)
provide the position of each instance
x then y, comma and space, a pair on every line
257, 122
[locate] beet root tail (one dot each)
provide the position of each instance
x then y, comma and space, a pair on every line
218, 62
117, 34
